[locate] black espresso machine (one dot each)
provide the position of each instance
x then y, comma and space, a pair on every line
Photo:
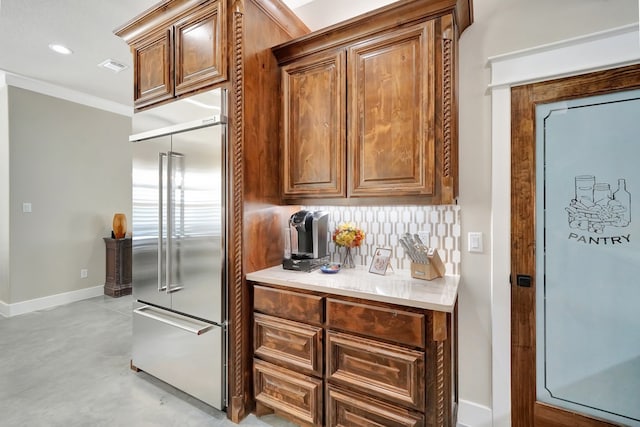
307, 244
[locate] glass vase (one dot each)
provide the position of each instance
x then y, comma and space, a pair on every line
347, 260
119, 225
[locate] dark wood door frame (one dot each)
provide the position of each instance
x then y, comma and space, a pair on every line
525, 410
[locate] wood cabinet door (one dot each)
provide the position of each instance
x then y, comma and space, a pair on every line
153, 70
391, 141
314, 126
200, 49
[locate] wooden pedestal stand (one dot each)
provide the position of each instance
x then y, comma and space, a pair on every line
118, 268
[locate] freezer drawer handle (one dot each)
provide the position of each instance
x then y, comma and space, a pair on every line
197, 331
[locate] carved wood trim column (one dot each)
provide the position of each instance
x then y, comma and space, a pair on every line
237, 293
448, 109
440, 337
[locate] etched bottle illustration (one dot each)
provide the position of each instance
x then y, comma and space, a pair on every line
623, 198
595, 207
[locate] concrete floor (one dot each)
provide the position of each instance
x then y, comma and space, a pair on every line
69, 366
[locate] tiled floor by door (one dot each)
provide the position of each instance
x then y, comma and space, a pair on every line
69, 367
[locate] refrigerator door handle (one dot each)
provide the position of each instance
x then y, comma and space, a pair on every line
161, 158
171, 223
147, 311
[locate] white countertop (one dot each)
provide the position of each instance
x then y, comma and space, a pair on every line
396, 287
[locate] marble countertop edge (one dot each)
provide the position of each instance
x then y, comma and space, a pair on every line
396, 287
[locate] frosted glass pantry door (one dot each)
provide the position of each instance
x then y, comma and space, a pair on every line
588, 249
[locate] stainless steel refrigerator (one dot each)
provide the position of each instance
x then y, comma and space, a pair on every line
178, 218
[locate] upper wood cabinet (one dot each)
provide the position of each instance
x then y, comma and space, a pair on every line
153, 71
314, 126
391, 139
183, 52
200, 40
370, 107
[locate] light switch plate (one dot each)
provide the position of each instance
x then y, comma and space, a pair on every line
475, 242
26, 207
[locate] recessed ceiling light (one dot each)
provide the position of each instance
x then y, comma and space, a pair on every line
112, 65
60, 49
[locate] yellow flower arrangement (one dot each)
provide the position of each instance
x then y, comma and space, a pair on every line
348, 235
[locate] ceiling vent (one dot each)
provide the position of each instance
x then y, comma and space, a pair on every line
112, 65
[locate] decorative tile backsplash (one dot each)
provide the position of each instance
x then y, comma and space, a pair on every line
384, 225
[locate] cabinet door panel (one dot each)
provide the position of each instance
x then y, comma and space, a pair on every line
382, 370
314, 126
287, 392
349, 409
153, 72
291, 344
200, 49
391, 112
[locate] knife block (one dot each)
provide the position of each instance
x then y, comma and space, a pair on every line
434, 269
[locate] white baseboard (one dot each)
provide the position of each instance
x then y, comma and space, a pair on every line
4, 309
473, 415
8, 310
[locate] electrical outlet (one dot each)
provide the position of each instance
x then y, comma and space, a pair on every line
84, 273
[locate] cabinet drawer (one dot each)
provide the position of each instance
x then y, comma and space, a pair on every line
347, 409
287, 343
288, 304
399, 326
288, 392
383, 370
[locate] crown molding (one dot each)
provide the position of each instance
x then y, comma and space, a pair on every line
16, 80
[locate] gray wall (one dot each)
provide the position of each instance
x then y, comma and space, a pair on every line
4, 195
501, 26
73, 164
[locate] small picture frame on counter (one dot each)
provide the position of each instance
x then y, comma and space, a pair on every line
380, 261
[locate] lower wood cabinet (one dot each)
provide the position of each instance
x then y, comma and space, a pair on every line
354, 362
